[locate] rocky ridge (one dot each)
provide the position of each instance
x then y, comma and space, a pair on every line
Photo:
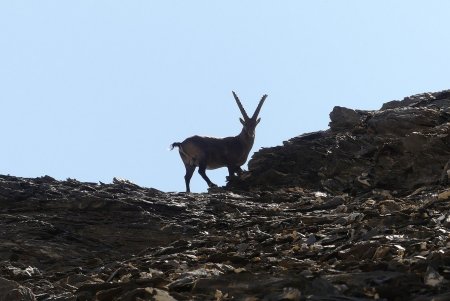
401, 147
372, 221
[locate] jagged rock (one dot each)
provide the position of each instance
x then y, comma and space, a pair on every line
13, 291
344, 118
403, 146
445, 195
433, 278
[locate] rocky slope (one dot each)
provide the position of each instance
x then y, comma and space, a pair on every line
401, 147
358, 212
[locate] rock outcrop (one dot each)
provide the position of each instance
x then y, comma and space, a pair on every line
402, 147
358, 212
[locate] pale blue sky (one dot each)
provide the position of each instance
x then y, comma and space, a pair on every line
99, 89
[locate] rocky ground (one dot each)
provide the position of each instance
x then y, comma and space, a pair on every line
358, 212
82, 241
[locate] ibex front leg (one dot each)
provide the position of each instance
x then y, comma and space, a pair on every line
202, 172
232, 171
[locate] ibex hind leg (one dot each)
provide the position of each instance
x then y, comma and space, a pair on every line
187, 178
202, 172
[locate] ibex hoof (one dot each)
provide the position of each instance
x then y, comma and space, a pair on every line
215, 189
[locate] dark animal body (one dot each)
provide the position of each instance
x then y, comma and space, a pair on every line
211, 153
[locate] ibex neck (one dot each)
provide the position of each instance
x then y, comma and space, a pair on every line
246, 140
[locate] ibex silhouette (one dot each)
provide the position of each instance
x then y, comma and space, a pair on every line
212, 153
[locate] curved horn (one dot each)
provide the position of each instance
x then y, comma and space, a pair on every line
261, 102
244, 114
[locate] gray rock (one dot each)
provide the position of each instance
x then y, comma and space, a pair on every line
13, 291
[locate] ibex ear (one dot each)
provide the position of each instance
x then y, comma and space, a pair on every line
257, 121
242, 121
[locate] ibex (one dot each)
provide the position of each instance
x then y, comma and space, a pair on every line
212, 153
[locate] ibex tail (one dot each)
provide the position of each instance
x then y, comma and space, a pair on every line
175, 144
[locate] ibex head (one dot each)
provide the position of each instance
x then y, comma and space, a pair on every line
250, 123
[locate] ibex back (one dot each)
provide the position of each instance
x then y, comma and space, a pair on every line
212, 153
